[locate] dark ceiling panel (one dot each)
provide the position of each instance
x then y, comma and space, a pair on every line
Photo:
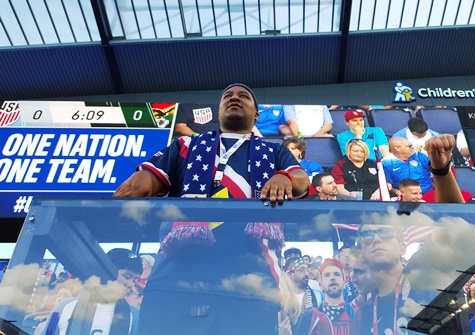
410, 54
53, 71
210, 64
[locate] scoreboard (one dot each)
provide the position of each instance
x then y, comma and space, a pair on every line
67, 148
82, 114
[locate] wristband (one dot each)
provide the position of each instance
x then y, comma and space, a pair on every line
195, 134
440, 172
285, 173
299, 135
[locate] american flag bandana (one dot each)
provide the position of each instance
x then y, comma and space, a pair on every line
201, 169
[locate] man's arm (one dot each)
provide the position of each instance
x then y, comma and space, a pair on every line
384, 150
294, 129
183, 129
324, 130
141, 184
439, 149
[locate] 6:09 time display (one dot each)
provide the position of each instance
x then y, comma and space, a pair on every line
90, 115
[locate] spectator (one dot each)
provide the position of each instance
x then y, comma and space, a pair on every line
297, 270
410, 190
404, 162
194, 119
293, 320
326, 188
343, 256
147, 265
292, 252
417, 133
112, 313
341, 313
274, 120
207, 257
355, 172
462, 147
298, 149
361, 276
429, 196
313, 272
312, 120
382, 247
374, 137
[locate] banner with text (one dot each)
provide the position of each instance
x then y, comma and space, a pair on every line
69, 161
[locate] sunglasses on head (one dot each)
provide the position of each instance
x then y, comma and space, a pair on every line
366, 237
353, 140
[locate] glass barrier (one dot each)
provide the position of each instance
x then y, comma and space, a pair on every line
213, 266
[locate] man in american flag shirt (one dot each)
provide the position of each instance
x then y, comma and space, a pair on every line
185, 293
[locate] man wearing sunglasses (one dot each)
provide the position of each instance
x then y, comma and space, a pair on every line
382, 247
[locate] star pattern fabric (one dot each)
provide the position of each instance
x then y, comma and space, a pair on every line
202, 158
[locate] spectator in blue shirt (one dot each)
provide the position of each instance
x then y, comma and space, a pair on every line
374, 137
275, 120
417, 133
298, 149
405, 162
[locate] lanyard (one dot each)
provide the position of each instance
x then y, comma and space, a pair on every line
224, 157
396, 301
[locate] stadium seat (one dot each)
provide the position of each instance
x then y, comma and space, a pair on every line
390, 120
465, 176
338, 116
323, 150
274, 139
442, 120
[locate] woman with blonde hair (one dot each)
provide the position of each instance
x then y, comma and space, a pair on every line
356, 173
295, 320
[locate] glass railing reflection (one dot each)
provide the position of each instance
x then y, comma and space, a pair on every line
91, 266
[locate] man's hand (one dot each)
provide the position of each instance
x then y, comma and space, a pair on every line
277, 188
140, 184
439, 149
359, 131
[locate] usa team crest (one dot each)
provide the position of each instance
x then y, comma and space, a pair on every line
9, 113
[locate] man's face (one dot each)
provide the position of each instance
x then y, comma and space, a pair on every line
412, 193
328, 186
332, 281
380, 246
237, 110
313, 273
300, 276
127, 278
405, 149
344, 258
361, 275
357, 122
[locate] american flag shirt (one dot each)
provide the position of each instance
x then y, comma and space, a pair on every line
171, 164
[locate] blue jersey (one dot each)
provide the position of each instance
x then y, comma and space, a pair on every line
374, 137
416, 167
311, 167
270, 118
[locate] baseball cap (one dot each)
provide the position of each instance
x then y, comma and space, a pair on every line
351, 114
330, 261
125, 259
148, 259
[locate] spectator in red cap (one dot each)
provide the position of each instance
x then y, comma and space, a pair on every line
374, 137
341, 313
